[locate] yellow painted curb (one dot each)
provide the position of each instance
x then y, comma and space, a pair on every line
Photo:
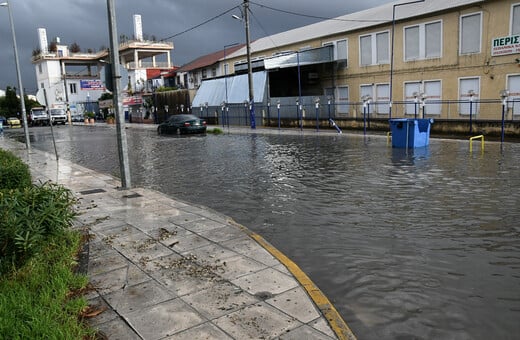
336, 322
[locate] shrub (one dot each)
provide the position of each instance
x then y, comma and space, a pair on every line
14, 174
28, 217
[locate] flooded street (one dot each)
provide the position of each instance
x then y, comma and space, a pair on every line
423, 244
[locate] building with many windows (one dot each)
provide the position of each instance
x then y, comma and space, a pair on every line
444, 59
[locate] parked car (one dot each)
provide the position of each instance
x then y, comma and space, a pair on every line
182, 124
58, 116
38, 116
77, 117
13, 122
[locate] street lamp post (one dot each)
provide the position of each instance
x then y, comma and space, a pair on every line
392, 53
504, 94
471, 93
22, 96
423, 97
415, 100
366, 101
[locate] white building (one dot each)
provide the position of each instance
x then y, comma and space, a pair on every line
77, 79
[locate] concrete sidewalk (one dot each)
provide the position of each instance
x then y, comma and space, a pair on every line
166, 269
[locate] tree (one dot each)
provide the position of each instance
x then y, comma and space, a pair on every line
53, 47
11, 102
74, 48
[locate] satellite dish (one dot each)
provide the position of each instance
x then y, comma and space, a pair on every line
40, 97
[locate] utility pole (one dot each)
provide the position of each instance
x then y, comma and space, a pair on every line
18, 74
249, 68
122, 144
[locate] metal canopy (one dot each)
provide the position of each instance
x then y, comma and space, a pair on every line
213, 91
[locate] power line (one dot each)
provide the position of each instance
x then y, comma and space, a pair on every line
313, 16
201, 24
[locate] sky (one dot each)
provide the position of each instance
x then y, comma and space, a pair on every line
85, 22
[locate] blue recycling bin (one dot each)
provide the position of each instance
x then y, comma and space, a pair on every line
410, 133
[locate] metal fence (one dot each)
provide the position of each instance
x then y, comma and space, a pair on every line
322, 110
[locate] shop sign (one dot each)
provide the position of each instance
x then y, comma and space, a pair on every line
505, 45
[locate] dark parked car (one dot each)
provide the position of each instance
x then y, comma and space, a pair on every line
182, 124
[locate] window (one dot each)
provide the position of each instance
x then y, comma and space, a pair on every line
465, 86
343, 106
226, 69
340, 49
382, 98
42, 85
411, 43
382, 48
433, 43
374, 49
365, 45
470, 33
72, 88
40, 70
515, 19
423, 41
433, 91
214, 72
204, 74
513, 84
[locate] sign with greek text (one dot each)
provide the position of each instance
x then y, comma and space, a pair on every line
505, 45
92, 85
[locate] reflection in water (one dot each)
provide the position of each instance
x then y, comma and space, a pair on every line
415, 244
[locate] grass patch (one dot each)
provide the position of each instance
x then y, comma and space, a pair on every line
215, 131
38, 299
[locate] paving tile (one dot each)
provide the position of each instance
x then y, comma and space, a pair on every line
223, 234
267, 280
106, 263
204, 224
295, 303
250, 248
183, 218
137, 297
117, 329
140, 247
219, 300
237, 266
178, 238
206, 331
323, 326
211, 251
258, 321
183, 275
164, 319
304, 333
98, 305
108, 282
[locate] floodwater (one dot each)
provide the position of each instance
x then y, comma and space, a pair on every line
423, 244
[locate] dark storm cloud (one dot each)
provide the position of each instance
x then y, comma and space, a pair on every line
85, 22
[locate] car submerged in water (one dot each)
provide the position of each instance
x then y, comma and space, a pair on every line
182, 124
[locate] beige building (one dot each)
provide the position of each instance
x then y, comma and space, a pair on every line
443, 59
